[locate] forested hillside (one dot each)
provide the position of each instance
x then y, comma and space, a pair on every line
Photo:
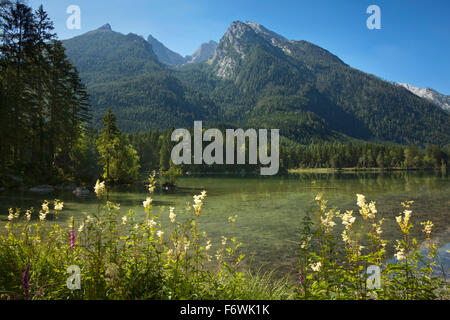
257, 79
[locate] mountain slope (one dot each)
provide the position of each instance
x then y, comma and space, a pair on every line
256, 78
123, 72
262, 65
164, 54
432, 95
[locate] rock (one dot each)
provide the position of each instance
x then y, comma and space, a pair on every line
42, 189
79, 192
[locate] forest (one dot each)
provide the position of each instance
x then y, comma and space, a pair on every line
48, 134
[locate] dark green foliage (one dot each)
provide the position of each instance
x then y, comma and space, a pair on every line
43, 101
308, 93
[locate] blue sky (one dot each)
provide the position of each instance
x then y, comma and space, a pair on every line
413, 45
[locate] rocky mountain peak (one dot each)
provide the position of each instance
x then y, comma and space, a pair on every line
106, 27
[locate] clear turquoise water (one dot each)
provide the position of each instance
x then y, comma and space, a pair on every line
270, 209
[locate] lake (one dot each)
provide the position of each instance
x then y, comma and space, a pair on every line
270, 209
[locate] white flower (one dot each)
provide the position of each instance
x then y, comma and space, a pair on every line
348, 219
147, 204
58, 205
81, 228
316, 267
172, 215
28, 215
42, 215
99, 188
124, 219
208, 245
224, 241
428, 226
45, 207
160, 234
361, 202
151, 223
11, 215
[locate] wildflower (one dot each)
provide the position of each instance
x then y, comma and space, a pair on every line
316, 267
89, 220
208, 245
99, 188
400, 255
348, 219
372, 210
224, 241
187, 244
17, 214
403, 221
45, 207
151, 223
197, 204
319, 197
28, 214
81, 228
11, 214
147, 204
427, 227
305, 243
232, 219
42, 215
72, 239
345, 237
124, 219
327, 221
203, 195
172, 215
300, 280
361, 200
25, 282
58, 205
160, 234
169, 255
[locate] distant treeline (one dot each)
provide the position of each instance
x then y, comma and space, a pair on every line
154, 149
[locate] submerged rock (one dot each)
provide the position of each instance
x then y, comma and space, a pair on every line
80, 192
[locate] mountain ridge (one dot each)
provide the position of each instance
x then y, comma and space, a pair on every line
256, 78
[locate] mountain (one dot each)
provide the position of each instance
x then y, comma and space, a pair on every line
122, 72
256, 78
169, 57
432, 95
164, 54
204, 52
295, 84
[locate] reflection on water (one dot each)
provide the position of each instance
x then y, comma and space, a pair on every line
270, 209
